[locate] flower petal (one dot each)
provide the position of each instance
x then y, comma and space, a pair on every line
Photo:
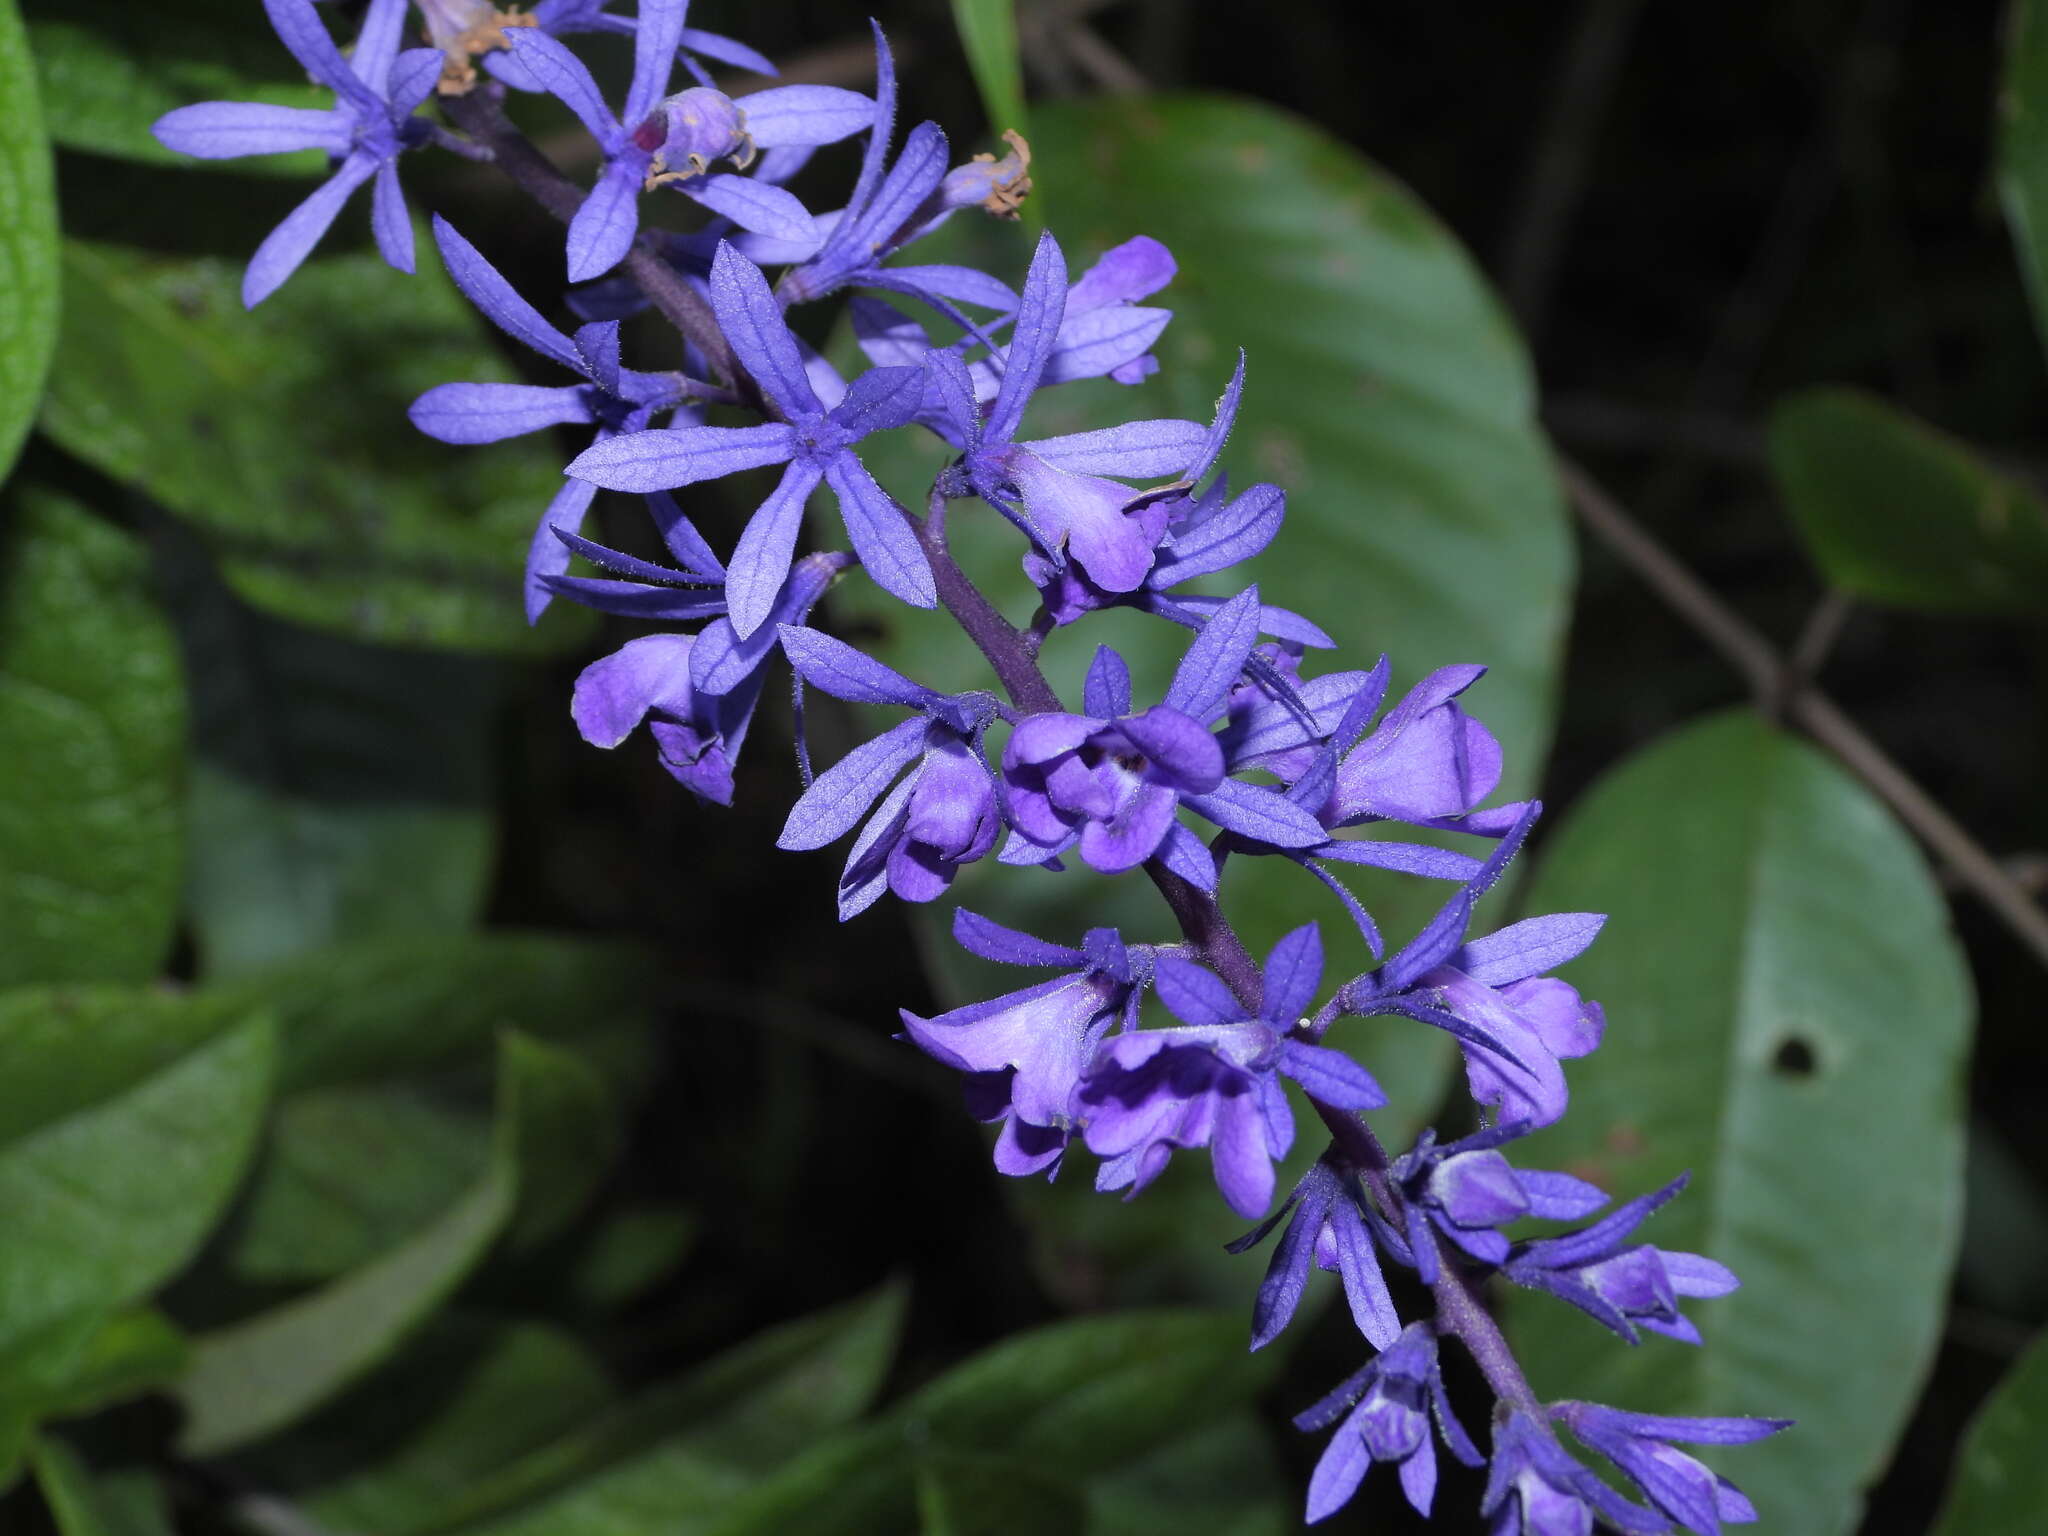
663, 458
286, 246
753, 324
762, 558
222, 130
841, 795
602, 231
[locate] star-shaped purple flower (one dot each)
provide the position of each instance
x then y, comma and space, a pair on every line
705, 126
1215, 1082
1025, 1050
1111, 781
615, 399
1396, 1395
377, 89
814, 440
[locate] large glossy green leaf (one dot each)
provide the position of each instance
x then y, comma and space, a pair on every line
92, 728
675, 1457
28, 239
125, 1124
1896, 512
2023, 147
2000, 1486
1220, 1481
1081, 1397
281, 435
109, 69
258, 1376
1387, 393
1788, 1017
470, 1396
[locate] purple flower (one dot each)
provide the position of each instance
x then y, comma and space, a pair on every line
941, 816
1111, 780
1426, 763
1683, 1487
1397, 1393
1328, 1230
1055, 489
1535, 1488
1622, 1285
1102, 331
615, 400
462, 28
1025, 1050
814, 440
1513, 1025
701, 689
377, 89
1216, 1081
1467, 1190
892, 205
603, 229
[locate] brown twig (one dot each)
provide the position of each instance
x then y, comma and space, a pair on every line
1811, 711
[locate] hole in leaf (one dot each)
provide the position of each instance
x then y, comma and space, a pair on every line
1794, 1058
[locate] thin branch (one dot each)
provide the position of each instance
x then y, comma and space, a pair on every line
1557, 177
1810, 710
997, 639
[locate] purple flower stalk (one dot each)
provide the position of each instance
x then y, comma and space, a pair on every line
376, 89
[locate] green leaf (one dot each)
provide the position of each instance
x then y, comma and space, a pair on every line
397, 1006
28, 240
349, 1173
67, 1490
2023, 148
256, 1377
634, 1248
109, 69
131, 1353
339, 790
569, 1132
1387, 392
1220, 1481
988, 33
92, 728
1788, 1017
1084, 1397
125, 1124
973, 1493
2000, 1485
341, 519
1896, 512
676, 1456
469, 1397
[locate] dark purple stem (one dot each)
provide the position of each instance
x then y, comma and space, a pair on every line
481, 115
1459, 1309
996, 637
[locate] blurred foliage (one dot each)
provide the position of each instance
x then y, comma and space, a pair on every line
419, 1124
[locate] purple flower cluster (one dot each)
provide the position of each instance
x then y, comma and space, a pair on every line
1242, 754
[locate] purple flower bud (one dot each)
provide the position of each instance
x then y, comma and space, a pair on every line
1682, 1486
689, 131
1535, 1488
1624, 1286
